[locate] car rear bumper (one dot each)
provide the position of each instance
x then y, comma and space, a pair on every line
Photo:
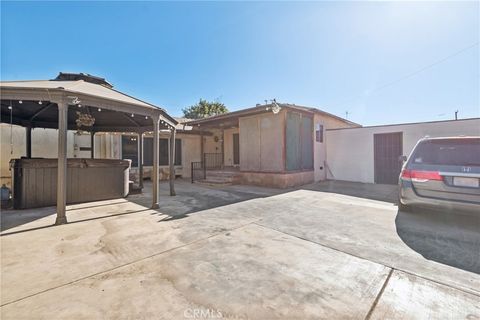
409, 197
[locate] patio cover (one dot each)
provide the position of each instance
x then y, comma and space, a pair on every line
54, 104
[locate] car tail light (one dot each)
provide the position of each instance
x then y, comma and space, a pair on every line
418, 175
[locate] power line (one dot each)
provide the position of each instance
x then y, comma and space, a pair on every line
391, 83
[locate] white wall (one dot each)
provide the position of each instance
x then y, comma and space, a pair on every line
320, 148
349, 152
44, 145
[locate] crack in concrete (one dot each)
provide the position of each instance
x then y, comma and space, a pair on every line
379, 295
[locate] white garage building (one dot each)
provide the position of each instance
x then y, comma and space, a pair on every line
371, 154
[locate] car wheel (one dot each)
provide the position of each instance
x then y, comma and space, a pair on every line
403, 207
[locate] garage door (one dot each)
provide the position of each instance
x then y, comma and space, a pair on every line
388, 147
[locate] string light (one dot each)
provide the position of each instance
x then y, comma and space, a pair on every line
99, 110
40, 102
20, 101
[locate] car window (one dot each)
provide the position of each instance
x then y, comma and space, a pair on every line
461, 152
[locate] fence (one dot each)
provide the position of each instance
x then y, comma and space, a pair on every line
213, 160
198, 171
210, 161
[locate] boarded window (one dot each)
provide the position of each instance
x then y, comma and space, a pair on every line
293, 141
130, 149
299, 142
307, 143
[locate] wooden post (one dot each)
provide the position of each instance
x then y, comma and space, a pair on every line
62, 163
140, 159
201, 146
29, 141
156, 147
92, 144
223, 149
172, 161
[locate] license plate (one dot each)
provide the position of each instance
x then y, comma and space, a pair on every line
466, 182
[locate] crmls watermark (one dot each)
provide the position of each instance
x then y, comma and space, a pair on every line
202, 314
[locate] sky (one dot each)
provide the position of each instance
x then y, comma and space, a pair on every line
382, 62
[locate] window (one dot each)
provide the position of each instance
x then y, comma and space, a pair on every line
164, 152
319, 132
148, 151
130, 149
178, 152
452, 152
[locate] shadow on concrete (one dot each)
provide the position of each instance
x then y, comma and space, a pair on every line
381, 192
448, 238
74, 221
14, 218
192, 198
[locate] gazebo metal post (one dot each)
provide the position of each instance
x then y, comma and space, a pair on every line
62, 162
92, 144
156, 147
172, 161
140, 159
28, 132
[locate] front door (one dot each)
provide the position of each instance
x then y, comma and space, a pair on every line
236, 149
388, 147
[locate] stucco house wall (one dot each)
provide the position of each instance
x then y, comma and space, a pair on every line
320, 148
349, 152
209, 143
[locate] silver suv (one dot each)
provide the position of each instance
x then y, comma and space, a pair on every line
442, 172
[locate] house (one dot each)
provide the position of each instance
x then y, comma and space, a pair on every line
276, 145
260, 145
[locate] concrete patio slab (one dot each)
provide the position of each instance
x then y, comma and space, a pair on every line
100, 237
249, 273
257, 253
439, 247
409, 297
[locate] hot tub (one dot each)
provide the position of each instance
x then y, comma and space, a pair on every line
34, 181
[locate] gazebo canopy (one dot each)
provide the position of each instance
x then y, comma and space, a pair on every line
78, 101
32, 104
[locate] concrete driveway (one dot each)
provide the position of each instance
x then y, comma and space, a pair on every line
241, 253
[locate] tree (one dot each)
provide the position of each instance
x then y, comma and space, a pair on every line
204, 109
